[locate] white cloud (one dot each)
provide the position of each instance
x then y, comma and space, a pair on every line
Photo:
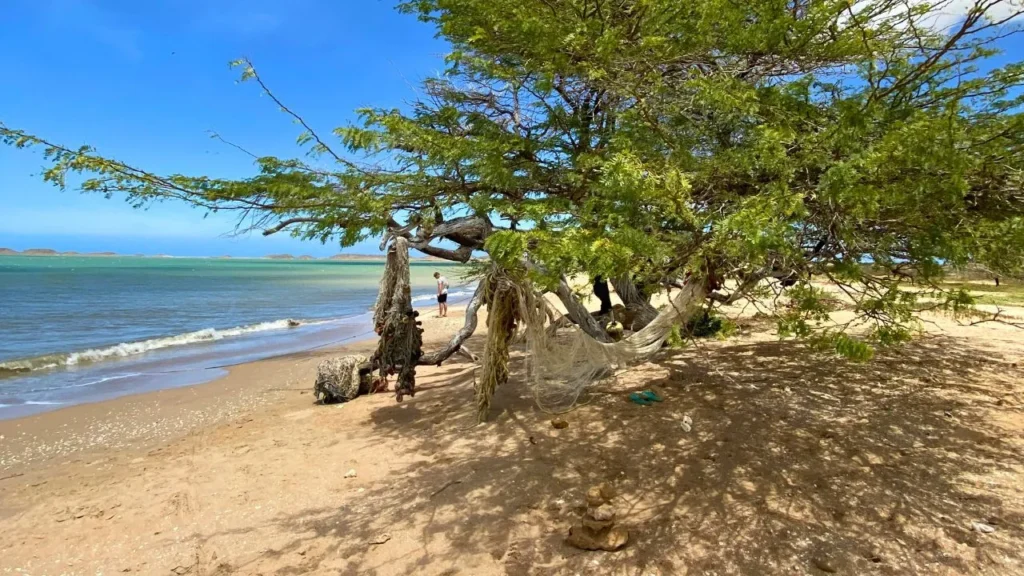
952, 12
945, 15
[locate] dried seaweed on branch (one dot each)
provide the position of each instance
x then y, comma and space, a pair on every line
503, 296
395, 320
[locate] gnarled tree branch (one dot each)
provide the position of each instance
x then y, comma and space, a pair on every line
460, 337
286, 223
635, 302
578, 313
469, 232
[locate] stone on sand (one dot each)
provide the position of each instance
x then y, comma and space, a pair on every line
597, 525
596, 530
609, 540
603, 513
983, 527
594, 497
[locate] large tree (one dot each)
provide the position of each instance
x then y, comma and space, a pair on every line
747, 145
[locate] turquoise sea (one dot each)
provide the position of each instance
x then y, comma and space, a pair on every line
82, 329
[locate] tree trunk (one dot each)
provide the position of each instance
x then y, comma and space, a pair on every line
401, 338
468, 232
579, 314
502, 318
640, 311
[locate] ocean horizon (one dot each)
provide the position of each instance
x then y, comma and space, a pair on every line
343, 256
83, 329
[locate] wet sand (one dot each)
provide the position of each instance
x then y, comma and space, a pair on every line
138, 421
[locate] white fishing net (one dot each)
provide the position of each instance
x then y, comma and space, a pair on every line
561, 364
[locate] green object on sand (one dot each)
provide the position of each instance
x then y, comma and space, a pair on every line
645, 398
651, 396
637, 398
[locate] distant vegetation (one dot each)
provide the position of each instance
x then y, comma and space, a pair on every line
1008, 293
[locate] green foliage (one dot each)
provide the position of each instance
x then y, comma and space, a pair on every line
737, 141
809, 306
842, 344
676, 339
506, 248
708, 323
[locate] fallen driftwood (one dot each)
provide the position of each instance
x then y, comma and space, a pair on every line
342, 379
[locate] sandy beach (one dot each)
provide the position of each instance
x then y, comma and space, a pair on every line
796, 464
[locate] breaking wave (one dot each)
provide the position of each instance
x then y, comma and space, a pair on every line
15, 367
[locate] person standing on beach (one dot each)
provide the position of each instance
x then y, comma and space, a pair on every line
442, 295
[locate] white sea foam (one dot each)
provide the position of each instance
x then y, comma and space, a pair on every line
102, 380
31, 403
126, 349
433, 297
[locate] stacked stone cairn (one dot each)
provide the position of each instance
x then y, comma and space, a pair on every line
597, 529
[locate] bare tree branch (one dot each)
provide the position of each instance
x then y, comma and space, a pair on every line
455, 344
288, 222
250, 71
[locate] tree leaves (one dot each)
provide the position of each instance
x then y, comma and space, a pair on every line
742, 142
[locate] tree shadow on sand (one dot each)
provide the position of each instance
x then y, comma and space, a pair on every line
796, 463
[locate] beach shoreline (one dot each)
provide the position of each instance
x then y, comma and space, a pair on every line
112, 374
137, 420
85, 330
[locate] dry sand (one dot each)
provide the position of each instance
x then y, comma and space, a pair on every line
796, 464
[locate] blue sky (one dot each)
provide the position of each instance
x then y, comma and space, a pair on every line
145, 82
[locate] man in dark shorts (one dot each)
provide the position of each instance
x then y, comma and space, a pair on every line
442, 294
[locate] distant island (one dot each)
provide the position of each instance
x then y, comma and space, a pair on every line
52, 252
304, 257
359, 257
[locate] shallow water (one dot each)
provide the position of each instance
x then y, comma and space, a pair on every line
82, 329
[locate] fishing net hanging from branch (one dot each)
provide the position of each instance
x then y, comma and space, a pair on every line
395, 320
562, 364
